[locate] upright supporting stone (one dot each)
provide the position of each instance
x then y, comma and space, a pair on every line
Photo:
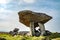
32, 32
42, 28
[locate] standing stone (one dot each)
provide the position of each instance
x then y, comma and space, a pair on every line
32, 28
42, 28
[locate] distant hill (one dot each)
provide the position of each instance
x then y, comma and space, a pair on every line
4, 32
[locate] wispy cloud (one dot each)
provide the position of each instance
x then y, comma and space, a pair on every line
4, 1
29, 1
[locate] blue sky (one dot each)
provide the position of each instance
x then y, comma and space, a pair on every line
9, 13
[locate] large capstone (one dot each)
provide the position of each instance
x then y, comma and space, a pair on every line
26, 16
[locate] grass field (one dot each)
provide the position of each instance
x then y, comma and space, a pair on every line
54, 36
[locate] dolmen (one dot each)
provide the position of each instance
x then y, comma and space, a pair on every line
34, 19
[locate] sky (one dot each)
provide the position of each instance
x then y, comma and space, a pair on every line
9, 9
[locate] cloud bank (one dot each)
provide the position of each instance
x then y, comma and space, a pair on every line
9, 9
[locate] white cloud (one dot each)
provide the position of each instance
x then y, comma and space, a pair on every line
29, 1
10, 20
4, 1
4, 10
3, 13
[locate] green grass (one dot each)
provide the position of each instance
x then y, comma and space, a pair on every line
19, 37
53, 36
9, 37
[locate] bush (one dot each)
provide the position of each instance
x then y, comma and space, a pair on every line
47, 33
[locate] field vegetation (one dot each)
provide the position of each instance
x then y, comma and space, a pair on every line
53, 36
